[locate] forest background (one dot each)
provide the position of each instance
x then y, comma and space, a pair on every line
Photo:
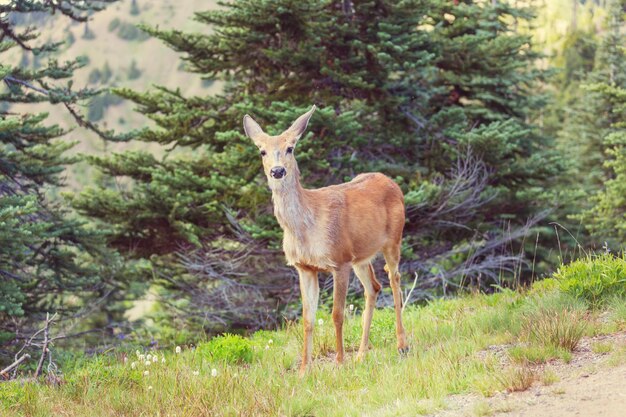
132, 204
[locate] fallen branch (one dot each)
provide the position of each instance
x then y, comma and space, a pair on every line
15, 364
46, 342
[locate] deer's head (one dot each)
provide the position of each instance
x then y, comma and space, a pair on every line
277, 152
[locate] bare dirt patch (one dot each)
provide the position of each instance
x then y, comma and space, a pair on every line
592, 384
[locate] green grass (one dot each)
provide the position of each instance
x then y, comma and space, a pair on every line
537, 354
259, 376
601, 347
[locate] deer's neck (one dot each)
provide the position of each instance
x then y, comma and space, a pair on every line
292, 208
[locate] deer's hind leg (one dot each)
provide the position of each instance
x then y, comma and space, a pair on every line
372, 287
392, 258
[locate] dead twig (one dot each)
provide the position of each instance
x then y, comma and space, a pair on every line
46, 341
15, 364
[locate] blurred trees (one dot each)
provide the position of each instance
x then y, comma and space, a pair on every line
606, 218
587, 124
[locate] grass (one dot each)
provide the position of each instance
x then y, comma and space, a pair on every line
482, 409
538, 354
518, 378
601, 347
258, 376
549, 377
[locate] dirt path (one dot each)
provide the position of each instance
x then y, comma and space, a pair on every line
591, 385
600, 394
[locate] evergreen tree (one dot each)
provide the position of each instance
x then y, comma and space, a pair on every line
606, 219
46, 253
404, 87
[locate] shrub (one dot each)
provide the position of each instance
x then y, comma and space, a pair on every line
594, 280
560, 328
517, 379
229, 348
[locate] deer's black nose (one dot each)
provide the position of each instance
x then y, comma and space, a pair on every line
278, 172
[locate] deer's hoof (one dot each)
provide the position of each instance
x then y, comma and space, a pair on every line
403, 351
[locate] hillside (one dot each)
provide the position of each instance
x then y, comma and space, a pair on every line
469, 356
115, 48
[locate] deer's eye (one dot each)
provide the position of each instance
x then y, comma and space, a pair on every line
290, 149
263, 153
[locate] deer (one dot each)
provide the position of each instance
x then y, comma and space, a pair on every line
333, 229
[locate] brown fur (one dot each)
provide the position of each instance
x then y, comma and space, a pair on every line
334, 229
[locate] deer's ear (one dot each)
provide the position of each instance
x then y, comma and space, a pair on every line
299, 126
252, 128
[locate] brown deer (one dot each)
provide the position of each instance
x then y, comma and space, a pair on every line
332, 229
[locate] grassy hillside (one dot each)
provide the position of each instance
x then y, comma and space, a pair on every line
478, 344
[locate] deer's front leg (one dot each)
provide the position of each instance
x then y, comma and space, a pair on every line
309, 287
341, 278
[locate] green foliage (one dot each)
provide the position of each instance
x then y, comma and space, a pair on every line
594, 280
229, 348
607, 218
402, 89
46, 252
593, 136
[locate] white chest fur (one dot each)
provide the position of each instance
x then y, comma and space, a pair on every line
305, 240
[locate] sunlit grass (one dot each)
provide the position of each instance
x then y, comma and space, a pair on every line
449, 355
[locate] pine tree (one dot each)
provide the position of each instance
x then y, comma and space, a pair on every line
45, 251
403, 87
606, 219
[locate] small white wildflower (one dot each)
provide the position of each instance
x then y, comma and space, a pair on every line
351, 307
149, 357
125, 360
267, 347
163, 359
133, 365
196, 373
146, 373
155, 359
269, 342
148, 363
142, 357
137, 353
178, 349
150, 387
213, 372
320, 322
